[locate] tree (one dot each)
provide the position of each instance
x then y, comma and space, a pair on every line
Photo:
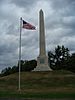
51, 59
59, 57
14, 69
29, 65
71, 63
25, 66
6, 71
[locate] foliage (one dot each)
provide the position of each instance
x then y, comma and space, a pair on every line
28, 65
25, 66
58, 59
71, 63
6, 71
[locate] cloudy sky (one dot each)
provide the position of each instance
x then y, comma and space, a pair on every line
59, 25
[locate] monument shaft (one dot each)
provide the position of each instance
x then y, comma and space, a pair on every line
42, 34
42, 60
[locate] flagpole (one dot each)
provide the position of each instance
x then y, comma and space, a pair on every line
19, 85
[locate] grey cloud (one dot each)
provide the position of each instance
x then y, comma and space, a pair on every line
60, 4
30, 40
59, 24
12, 30
24, 3
7, 48
62, 18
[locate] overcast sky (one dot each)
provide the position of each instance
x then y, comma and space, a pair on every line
59, 27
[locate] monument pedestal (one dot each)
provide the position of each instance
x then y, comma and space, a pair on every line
42, 64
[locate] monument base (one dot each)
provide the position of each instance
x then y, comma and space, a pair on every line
42, 68
42, 64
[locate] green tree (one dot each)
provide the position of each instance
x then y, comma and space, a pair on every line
29, 65
25, 66
6, 71
71, 63
51, 59
57, 60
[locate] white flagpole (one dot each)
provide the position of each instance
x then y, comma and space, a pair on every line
19, 85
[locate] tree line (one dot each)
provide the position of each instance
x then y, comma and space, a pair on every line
27, 65
59, 59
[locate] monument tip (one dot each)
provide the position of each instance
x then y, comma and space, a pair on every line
41, 10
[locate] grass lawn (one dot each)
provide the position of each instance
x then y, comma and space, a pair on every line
55, 84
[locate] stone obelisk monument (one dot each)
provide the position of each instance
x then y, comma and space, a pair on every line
42, 60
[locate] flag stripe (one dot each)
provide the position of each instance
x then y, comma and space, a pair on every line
27, 25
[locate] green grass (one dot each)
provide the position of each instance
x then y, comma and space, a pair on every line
55, 84
37, 95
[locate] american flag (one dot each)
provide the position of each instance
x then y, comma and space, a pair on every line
27, 25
